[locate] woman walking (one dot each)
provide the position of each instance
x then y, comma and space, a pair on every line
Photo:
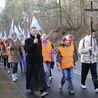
15, 47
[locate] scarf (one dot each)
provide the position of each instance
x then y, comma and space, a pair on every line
45, 43
14, 40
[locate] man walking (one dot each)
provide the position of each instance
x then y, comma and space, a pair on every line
88, 59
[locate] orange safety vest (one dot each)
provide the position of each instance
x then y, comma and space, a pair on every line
0, 47
67, 57
46, 52
6, 50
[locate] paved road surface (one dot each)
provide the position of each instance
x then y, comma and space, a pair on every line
54, 91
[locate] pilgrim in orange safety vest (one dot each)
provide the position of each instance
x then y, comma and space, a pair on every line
6, 50
0, 47
47, 52
67, 56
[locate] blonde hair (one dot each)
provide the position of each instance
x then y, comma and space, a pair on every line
43, 35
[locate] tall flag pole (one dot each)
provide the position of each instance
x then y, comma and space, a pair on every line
11, 28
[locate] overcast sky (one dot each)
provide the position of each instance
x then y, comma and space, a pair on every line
2, 3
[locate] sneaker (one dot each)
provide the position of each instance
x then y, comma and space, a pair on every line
9, 71
83, 86
48, 86
1, 63
60, 87
71, 91
44, 94
16, 76
31, 91
96, 90
14, 80
50, 78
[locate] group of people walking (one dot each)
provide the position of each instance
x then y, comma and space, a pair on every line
66, 61
37, 54
11, 56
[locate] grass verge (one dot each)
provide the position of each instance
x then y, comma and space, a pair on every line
7, 88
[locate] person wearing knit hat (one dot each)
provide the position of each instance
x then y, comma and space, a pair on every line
65, 62
65, 38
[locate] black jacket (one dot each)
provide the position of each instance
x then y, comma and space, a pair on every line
33, 50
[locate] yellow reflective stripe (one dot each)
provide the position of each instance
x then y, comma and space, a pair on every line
67, 62
46, 52
46, 56
66, 57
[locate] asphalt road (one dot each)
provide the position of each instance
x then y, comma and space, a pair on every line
54, 90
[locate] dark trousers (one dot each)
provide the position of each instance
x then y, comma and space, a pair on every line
5, 61
50, 73
84, 72
43, 90
14, 67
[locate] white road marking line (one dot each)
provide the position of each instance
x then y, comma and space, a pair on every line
79, 73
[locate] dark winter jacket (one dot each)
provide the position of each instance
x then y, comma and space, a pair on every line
33, 50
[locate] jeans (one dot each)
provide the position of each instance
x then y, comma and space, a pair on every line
67, 74
14, 67
23, 62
